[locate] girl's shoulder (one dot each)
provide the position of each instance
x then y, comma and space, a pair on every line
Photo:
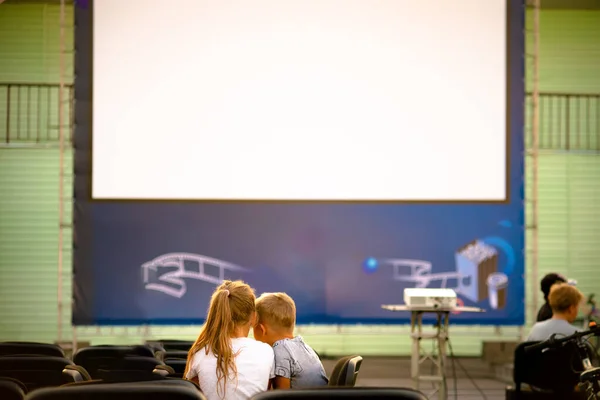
200, 354
252, 345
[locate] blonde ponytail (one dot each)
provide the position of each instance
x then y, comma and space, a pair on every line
231, 305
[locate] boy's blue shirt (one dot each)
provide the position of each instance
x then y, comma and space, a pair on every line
298, 362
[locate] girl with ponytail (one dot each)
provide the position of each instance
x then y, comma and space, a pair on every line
224, 361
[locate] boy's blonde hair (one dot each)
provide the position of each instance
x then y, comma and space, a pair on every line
563, 296
277, 310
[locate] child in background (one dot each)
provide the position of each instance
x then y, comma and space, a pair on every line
565, 301
297, 365
226, 364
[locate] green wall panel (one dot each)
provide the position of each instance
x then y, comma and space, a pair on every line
569, 52
569, 217
30, 54
569, 201
29, 225
30, 42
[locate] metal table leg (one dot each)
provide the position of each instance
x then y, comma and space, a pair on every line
438, 356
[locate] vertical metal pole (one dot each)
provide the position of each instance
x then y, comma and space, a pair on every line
415, 334
61, 165
535, 124
8, 112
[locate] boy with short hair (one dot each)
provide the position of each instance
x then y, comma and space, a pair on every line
296, 363
565, 301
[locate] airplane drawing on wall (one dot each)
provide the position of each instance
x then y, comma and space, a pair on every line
167, 273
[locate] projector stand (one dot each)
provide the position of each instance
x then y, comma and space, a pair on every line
439, 336
437, 355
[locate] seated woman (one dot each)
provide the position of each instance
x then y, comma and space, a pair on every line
223, 360
564, 300
548, 281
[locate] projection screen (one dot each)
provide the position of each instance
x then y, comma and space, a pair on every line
300, 100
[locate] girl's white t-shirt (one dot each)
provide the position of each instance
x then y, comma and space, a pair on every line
255, 364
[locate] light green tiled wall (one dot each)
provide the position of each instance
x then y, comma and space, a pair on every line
29, 198
569, 51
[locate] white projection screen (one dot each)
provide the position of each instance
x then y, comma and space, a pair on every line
278, 100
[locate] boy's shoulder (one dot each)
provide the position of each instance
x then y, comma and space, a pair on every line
554, 323
544, 329
298, 361
295, 347
287, 342
542, 323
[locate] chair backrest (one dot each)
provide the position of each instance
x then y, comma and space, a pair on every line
177, 364
75, 373
551, 369
342, 393
154, 345
111, 351
12, 389
160, 381
345, 371
123, 376
172, 354
99, 367
35, 371
179, 354
110, 358
30, 348
173, 345
115, 391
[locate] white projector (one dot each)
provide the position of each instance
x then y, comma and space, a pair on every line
430, 298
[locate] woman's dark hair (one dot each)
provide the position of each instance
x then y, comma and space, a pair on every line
548, 281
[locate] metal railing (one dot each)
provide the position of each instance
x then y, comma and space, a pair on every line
29, 114
568, 122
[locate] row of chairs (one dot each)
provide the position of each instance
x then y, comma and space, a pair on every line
41, 365
102, 362
90, 390
25, 367
29, 366
168, 391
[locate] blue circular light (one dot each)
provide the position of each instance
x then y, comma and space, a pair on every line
370, 265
